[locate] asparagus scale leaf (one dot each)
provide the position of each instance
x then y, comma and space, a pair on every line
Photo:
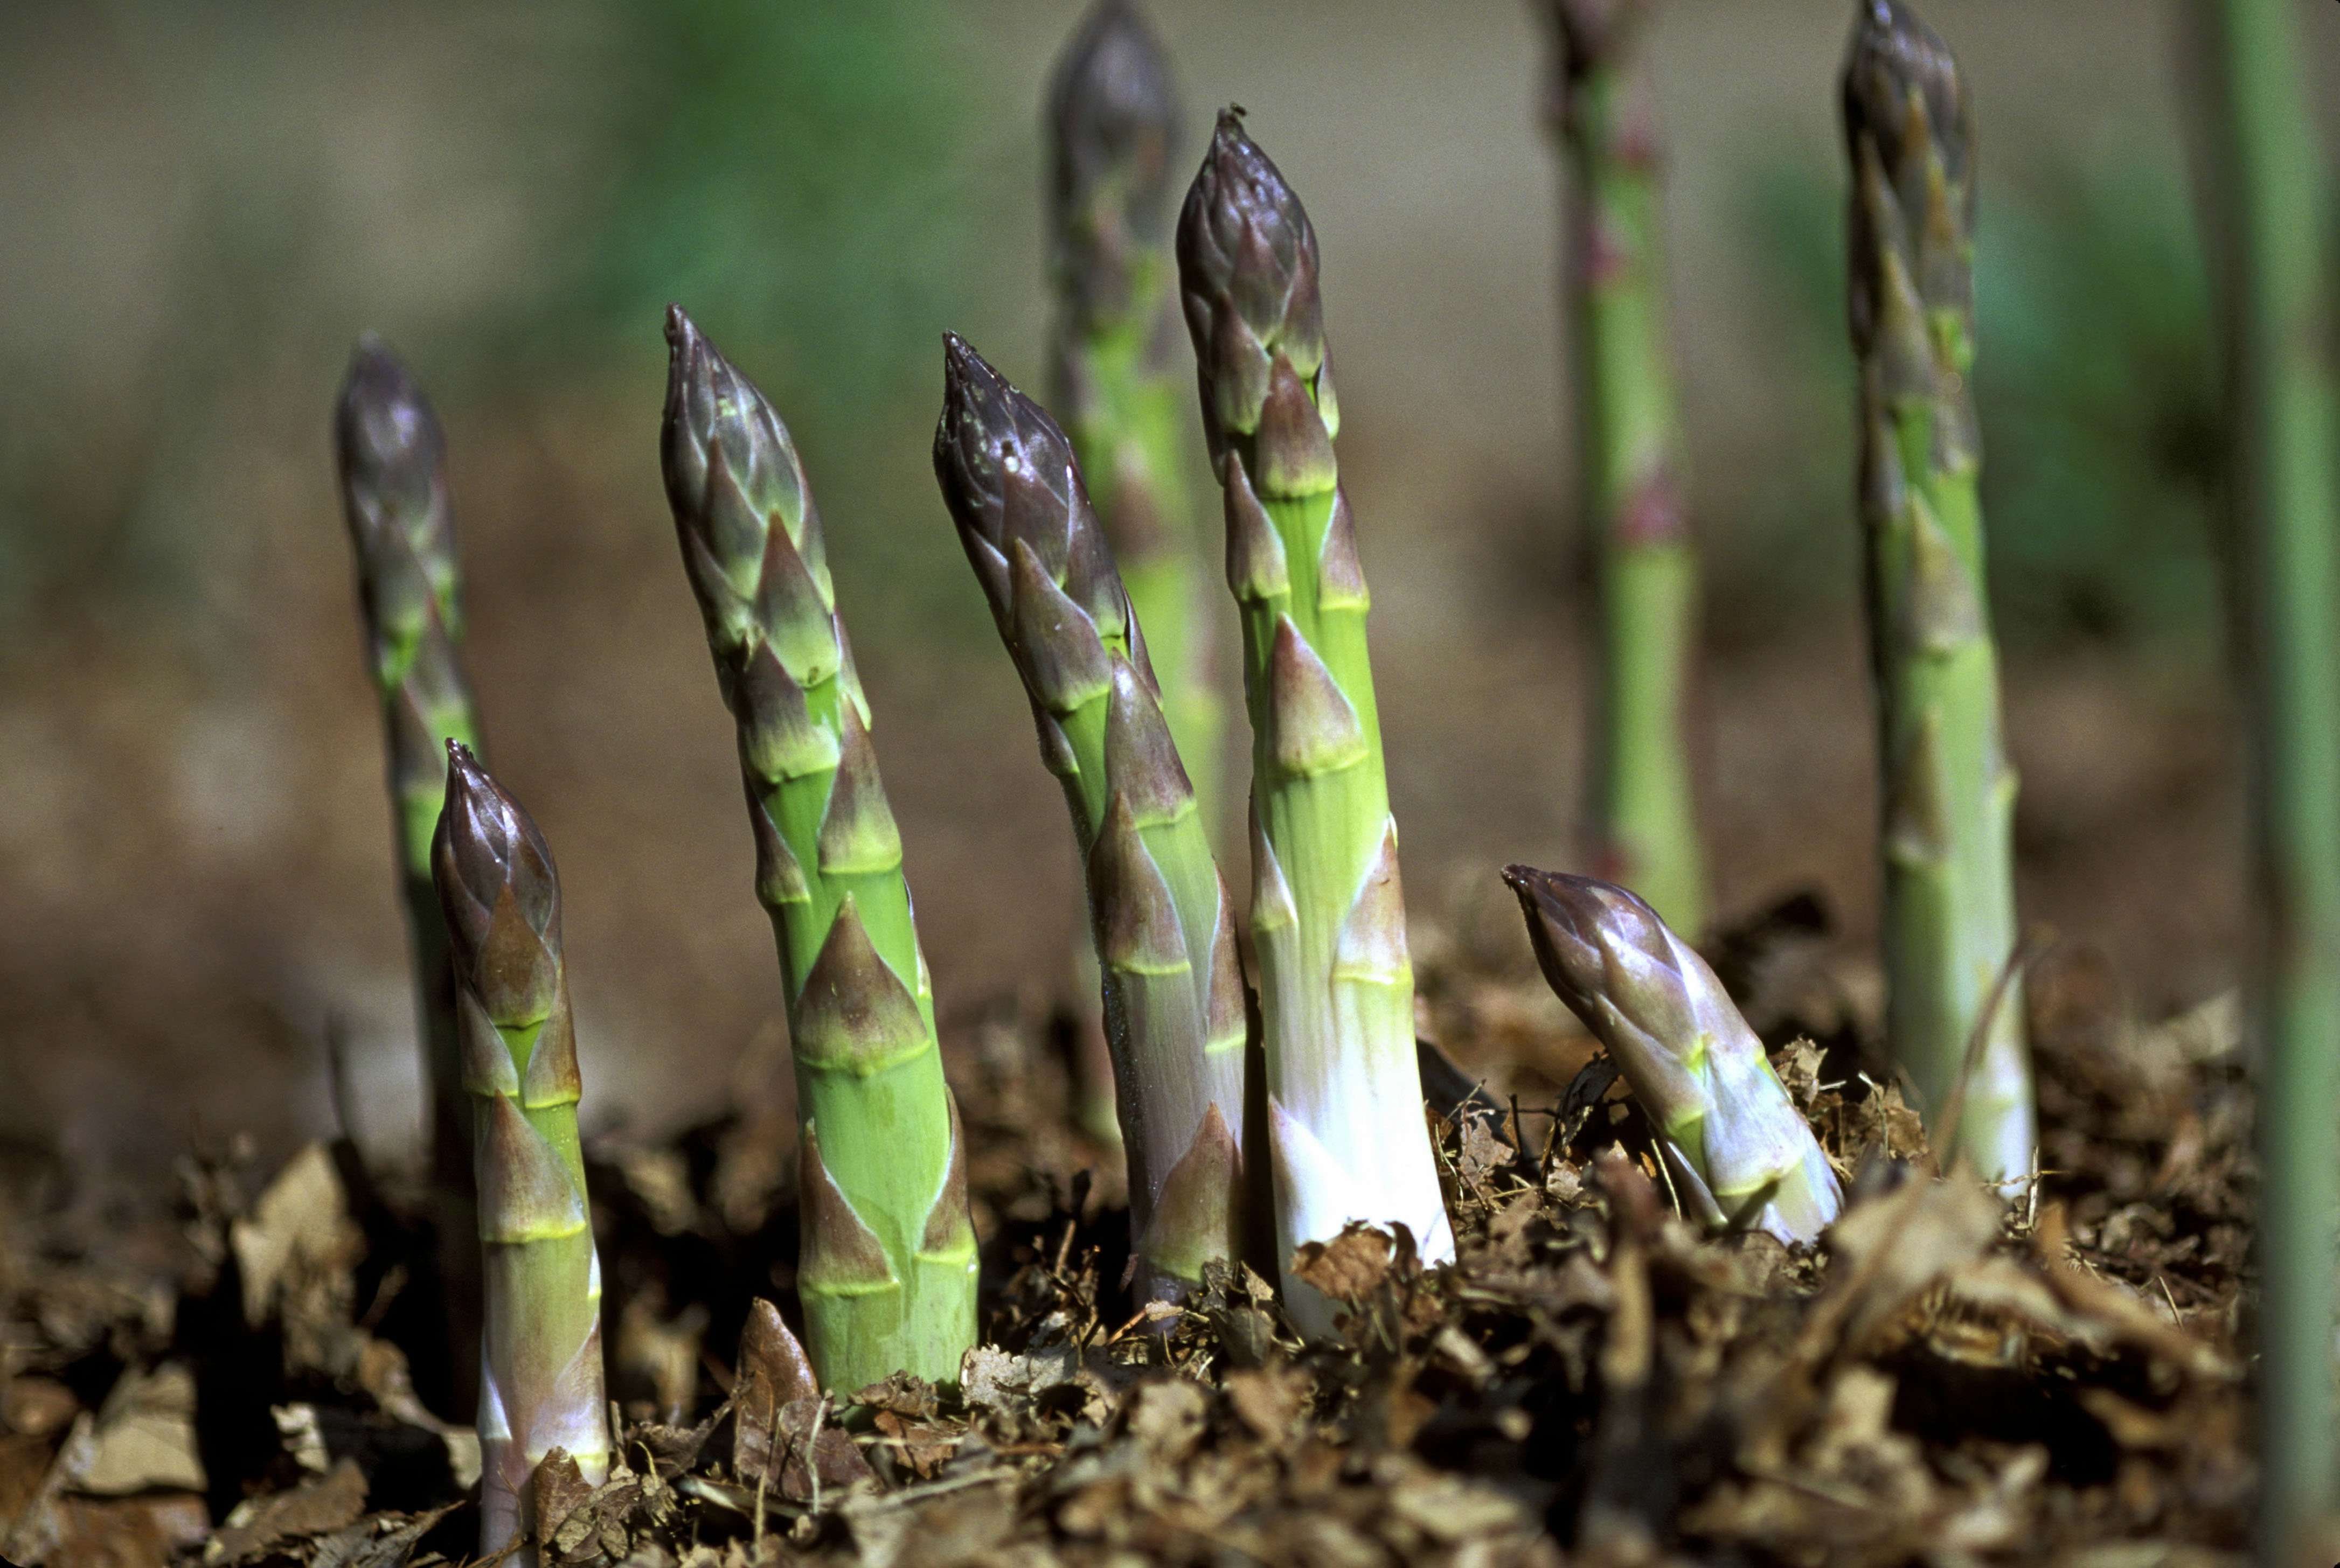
888, 1273
1345, 1130
392, 463
541, 1386
1630, 459
1741, 1153
1947, 828
1164, 923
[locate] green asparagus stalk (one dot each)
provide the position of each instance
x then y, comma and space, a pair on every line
888, 1273
1112, 124
394, 494
2272, 211
540, 1353
1164, 927
1629, 453
1739, 1152
1346, 1138
1949, 813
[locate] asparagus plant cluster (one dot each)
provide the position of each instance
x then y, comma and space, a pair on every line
1628, 456
1947, 824
1345, 1131
1738, 1151
540, 1349
1164, 923
2277, 279
888, 1268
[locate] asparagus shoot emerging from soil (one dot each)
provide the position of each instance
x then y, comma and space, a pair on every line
540, 1353
1628, 455
1949, 811
392, 458
2269, 204
1345, 1131
888, 1272
1739, 1152
1164, 926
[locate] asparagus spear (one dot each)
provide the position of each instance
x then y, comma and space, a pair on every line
1949, 793
1112, 121
540, 1353
2272, 209
1739, 1152
1345, 1132
1628, 449
1164, 928
394, 493
889, 1265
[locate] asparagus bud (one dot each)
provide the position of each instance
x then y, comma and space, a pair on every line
1174, 991
541, 1353
889, 1268
1947, 827
1739, 1152
1345, 1126
1644, 826
391, 459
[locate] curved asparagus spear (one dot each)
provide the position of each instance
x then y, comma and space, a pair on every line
1345, 1131
391, 459
1644, 823
1739, 1151
1174, 992
540, 1353
1949, 796
2270, 207
1113, 121
889, 1265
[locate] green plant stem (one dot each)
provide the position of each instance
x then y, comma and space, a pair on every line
1173, 983
1644, 826
2270, 197
541, 1384
1946, 832
1345, 1129
392, 463
887, 1274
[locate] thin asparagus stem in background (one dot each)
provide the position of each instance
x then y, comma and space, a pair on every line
889, 1268
2270, 204
394, 494
1164, 926
1345, 1131
1947, 823
1741, 1154
540, 1384
1112, 129
1629, 458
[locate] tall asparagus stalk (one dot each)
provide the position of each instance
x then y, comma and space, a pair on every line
1112, 124
1629, 453
1164, 927
889, 1265
541, 1353
394, 494
1738, 1151
1949, 793
2270, 198
1345, 1131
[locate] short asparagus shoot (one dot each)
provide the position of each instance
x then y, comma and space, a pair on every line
541, 1384
1346, 1135
1947, 830
888, 1271
1164, 926
1740, 1154
1630, 460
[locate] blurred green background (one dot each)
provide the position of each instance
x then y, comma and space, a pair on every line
207, 201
